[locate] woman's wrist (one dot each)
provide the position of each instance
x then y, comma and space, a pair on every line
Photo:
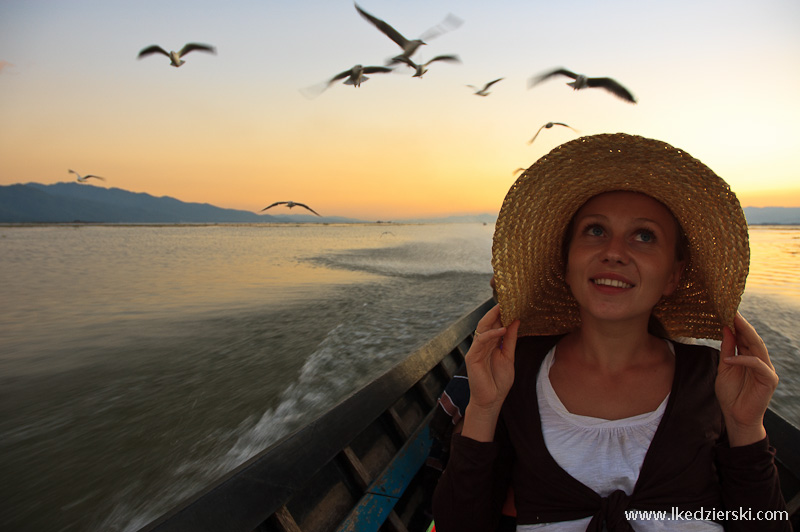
480, 422
741, 435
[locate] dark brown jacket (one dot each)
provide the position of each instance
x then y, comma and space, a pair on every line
688, 466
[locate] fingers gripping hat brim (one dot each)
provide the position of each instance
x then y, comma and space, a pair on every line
527, 248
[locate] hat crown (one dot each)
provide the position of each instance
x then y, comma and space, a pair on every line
527, 246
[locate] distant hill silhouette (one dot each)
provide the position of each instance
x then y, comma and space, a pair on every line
772, 215
72, 202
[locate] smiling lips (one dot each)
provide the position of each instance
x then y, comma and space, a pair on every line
612, 282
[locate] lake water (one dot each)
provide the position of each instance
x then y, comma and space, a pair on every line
139, 363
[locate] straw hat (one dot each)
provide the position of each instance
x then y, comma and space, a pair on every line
527, 248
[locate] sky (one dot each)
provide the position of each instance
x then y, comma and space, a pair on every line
718, 79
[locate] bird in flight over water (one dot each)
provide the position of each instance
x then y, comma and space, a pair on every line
485, 90
290, 204
83, 179
410, 46
175, 57
548, 126
581, 81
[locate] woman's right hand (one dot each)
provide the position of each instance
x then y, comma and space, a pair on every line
490, 369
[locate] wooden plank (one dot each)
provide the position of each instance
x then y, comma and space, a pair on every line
378, 503
357, 468
395, 523
405, 465
430, 400
284, 520
397, 423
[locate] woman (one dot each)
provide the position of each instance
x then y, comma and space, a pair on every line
583, 401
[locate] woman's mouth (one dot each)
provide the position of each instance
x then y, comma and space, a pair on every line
616, 283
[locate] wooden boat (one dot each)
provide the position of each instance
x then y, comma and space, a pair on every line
358, 468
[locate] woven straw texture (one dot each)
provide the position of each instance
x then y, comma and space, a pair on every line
526, 251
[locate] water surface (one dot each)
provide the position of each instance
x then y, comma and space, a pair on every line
140, 363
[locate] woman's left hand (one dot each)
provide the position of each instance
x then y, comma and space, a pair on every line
745, 383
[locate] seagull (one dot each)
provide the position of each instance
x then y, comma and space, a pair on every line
548, 126
175, 57
83, 179
290, 204
410, 46
581, 82
355, 76
485, 90
420, 68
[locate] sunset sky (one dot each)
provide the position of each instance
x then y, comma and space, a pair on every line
718, 79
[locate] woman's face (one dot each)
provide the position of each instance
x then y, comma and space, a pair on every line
622, 256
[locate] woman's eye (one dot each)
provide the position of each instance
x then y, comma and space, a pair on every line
645, 236
594, 230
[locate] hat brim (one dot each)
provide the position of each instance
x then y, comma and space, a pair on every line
527, 246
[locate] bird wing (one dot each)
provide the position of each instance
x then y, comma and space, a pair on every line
537, 134
492, 83
196, 46
611, 86
535, 80
403, 59
340, 75
307, 207
95, 176
276, 203
385, 28
154, 49
565, 125
450, 58
374, 69
450, 22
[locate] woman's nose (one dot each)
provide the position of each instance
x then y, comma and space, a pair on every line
615, 251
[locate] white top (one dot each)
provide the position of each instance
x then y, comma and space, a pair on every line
605, 455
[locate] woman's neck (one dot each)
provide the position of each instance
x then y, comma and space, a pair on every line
613, 346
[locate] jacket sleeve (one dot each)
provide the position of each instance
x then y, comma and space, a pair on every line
751, 489
473, 487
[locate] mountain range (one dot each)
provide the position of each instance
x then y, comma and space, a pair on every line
75, 203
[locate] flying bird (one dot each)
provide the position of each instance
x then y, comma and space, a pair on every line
409, 46
581, 82
548, 126
355, 76
175, 57
420, 69
83, 179
290, 204
485, 90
